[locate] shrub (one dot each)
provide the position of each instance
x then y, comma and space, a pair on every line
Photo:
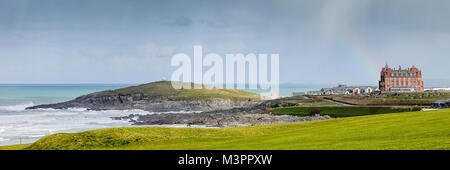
314, 112
416, 109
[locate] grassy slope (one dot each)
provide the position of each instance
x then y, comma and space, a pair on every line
343, 111
164, 89
409, 130
14, 147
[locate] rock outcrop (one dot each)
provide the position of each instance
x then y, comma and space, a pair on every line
217, 119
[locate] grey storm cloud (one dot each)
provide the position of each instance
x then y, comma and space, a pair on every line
177, 22
319, 41
410, 15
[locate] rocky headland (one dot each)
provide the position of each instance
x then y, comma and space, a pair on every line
160, 97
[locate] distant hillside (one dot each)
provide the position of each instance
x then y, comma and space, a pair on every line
160, 97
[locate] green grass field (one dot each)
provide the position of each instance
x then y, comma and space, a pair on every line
343, 111
408, 130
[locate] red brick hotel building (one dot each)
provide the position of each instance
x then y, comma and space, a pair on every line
406, 80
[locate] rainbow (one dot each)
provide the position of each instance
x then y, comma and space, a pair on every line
367, 61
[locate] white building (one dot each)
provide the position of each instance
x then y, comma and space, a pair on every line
438, 89
356, 91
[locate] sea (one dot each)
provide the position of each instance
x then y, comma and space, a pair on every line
18, 125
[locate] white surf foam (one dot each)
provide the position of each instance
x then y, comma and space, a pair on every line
17, 107
76, 109
34, 124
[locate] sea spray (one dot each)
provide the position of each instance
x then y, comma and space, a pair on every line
17, 107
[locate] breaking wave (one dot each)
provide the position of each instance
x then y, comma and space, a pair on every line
17, 107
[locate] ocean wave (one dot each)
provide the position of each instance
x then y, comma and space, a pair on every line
17, 107
73, 109
77, 109
47, 109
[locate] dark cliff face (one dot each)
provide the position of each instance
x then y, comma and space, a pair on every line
95, 101
98, 101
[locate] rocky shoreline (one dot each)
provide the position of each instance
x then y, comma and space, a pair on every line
222, 118
213, 113
216, 120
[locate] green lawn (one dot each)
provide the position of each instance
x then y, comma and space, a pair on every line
408, 130
341, 111
14, 147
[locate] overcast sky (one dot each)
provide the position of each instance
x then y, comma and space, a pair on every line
319, 41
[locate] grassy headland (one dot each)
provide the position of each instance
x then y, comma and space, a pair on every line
164, 89
408, 130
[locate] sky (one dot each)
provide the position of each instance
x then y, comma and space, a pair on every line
318, 41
